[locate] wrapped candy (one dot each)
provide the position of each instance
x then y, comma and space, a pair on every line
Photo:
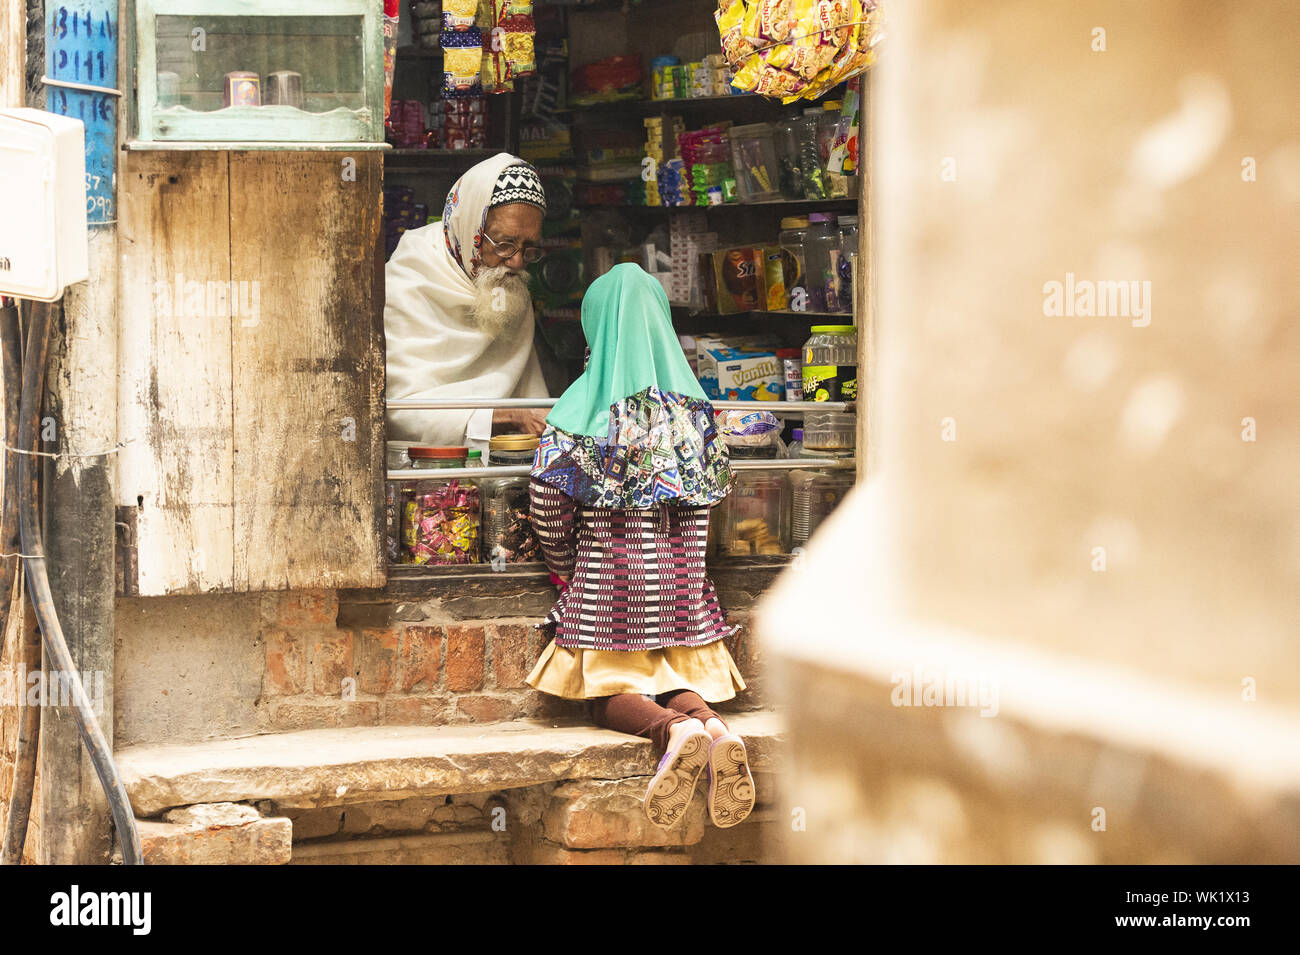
793, 49
441, 523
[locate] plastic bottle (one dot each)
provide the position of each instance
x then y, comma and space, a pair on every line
786, 134
794, 230
810, 161
843, 262
823, 239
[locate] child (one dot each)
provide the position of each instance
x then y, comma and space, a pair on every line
624, 477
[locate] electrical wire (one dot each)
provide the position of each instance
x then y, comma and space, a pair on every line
27, 652
38, 585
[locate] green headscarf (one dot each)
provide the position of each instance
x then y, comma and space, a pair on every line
629, 328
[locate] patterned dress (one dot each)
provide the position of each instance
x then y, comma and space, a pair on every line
637, 577
625, 518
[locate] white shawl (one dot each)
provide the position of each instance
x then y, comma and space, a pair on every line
434, 348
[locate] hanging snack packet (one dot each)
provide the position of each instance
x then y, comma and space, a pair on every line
519, 30
459, 15
462, 56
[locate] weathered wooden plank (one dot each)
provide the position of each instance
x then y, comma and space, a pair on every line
175, 401
13, 64
307, 371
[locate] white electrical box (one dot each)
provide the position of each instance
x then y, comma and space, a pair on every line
42, 203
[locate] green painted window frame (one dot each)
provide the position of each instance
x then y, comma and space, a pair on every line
261, 124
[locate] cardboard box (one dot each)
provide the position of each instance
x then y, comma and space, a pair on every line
734, 374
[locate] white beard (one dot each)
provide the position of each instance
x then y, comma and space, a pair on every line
501, 299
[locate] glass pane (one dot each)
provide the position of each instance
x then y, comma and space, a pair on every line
312, 63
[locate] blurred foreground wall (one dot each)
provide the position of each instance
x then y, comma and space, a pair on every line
1062, 624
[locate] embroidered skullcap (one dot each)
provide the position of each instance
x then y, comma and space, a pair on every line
519, 183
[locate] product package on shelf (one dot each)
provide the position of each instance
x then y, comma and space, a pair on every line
464, 122
798, 49
609, 80
406, 126
401, 213
843, 157
462, 57
685, 235
735, 279
458, 15
390, 52
735, 374
706, 154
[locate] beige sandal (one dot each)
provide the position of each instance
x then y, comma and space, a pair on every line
673, 785
731, 787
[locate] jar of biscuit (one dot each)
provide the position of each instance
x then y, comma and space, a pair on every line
752, 518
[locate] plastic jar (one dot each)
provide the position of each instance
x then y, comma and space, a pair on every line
423, 458
843, 262
507, 533
813, 495
794, 232
395, 456
753, 517
440, 524
753, 156
830, 366
505, 450
785, 134
823, 239
829, 431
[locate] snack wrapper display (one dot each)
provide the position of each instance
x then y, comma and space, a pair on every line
797, 49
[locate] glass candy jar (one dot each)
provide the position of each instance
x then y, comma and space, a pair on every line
440, 523
752, 518
507, 532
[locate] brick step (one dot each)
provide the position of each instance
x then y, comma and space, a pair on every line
308, 769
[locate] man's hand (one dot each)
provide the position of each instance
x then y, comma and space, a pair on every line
519, 420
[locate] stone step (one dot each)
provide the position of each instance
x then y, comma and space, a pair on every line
335, 767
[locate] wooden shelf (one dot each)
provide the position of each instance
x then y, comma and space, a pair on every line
846, 318
774, 203
443, 155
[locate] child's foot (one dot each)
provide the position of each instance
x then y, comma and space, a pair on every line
683, 728
716, 727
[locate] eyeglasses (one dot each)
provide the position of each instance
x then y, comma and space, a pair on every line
508, 250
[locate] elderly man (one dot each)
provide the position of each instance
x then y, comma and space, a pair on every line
458, 315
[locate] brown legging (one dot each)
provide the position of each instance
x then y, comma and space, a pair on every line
635, 714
